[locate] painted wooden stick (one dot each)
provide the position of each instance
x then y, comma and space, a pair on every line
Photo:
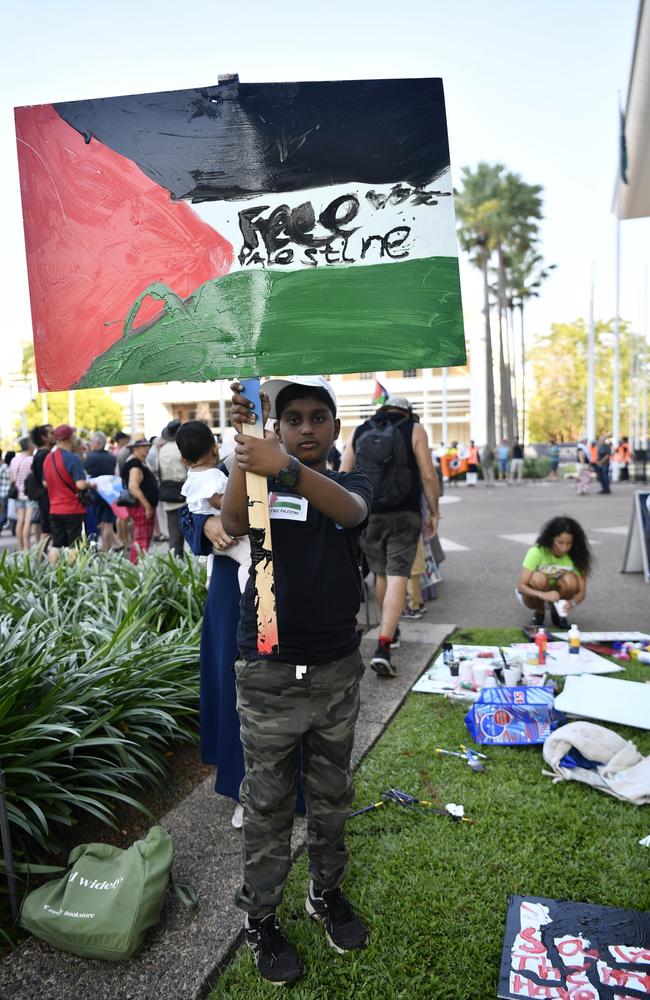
260, 534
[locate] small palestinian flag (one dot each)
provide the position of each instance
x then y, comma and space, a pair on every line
380, 395
240, 229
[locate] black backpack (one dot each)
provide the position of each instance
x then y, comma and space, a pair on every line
31, 487
381, 454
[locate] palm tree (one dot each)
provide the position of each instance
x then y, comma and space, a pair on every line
526, 273
516, 230
476, 206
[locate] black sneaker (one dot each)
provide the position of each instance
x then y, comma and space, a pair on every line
274, 957
394, 644
381, 664
558, 620
344, 930
537, 621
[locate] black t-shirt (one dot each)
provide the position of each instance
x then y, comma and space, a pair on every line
100, 463
37, 465
317, 580
149, 486
517, 451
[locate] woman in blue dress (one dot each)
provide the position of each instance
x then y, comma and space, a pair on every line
220, 742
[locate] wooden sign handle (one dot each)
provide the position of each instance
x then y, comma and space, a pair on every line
260, 534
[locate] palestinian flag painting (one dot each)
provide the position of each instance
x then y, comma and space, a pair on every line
240, 229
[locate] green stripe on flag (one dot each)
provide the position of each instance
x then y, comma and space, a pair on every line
330, 319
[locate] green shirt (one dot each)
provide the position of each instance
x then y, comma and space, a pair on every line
539, 559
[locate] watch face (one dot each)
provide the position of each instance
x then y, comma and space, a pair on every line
289, 475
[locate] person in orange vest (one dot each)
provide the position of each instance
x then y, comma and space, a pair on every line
593, 454
623, 457
473, 464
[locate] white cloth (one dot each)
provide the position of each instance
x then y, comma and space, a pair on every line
200, 486
623, 772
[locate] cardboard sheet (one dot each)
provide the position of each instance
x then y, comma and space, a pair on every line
606, 699
560, 948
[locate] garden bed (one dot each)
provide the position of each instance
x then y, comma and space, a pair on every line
98, 694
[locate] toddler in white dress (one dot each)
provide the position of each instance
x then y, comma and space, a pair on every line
204, 488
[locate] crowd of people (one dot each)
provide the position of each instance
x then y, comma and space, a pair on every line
602, 460
50, 490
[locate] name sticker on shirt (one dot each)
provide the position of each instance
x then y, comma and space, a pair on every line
287, 508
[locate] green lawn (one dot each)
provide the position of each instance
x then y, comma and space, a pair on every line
434, 892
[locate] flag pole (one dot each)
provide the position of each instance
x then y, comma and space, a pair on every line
644, 364
617, 318
444, 407
591, 409
617, 322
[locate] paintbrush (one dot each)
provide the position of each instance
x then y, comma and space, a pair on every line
466, 755
472, 758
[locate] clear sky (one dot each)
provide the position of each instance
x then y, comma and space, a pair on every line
530, 85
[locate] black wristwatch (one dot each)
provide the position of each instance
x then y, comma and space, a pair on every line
288, 477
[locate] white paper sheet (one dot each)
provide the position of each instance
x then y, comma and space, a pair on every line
436, 679
607, 700
562, 663
607, 636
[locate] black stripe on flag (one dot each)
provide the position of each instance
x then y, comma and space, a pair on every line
239, 140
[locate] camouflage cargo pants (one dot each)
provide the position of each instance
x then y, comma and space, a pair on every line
277, 712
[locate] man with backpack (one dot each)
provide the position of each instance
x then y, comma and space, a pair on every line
64, 478
392, 449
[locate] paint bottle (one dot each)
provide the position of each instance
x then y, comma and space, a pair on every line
574, 640
447, 654
541, 642
640, 655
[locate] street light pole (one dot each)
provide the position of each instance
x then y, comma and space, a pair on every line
591, 408
617, 323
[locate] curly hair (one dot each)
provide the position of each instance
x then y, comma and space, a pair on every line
580, 551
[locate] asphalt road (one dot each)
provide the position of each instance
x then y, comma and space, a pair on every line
485, 534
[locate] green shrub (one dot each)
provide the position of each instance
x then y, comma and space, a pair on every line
99, 675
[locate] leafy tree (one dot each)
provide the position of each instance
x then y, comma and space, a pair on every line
559, 363
27, 364
94, 410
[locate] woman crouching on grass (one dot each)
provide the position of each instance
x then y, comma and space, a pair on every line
556, 569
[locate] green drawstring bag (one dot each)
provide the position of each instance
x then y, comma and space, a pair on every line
108, 900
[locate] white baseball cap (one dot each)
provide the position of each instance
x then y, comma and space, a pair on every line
274, 387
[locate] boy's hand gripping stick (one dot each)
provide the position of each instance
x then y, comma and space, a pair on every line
260, 534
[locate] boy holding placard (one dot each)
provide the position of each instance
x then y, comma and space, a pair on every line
307, 692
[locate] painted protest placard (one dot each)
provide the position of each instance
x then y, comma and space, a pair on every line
561, 948
240, 229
